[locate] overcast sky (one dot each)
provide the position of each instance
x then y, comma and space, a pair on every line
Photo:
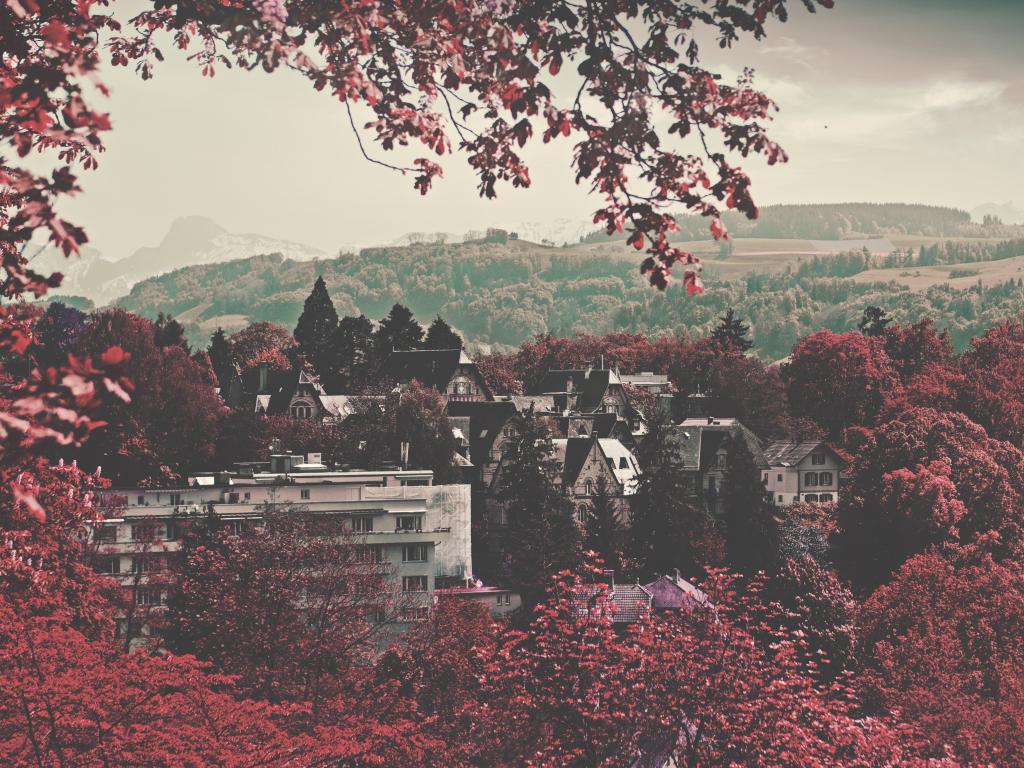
881, 100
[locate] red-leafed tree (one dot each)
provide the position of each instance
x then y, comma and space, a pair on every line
262, 342
169, 427
992, 392
840, 379
941, 644
926, 477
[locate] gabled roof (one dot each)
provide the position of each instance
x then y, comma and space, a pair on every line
673, 593
486, 418
629, 602
282, 391
589, 384
572, 453
430, 367
700, 439
790, 454
616, 454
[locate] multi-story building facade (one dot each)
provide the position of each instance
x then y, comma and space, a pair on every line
808, 471
420, 530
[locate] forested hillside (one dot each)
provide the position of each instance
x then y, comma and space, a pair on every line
501, 293
834, 222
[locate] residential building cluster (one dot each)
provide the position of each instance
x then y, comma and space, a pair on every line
423, 531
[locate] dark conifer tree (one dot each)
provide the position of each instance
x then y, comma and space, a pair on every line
605, 530
733, 332
353, 352
316, 327
168, 332
665, 515
542, 536
441, 336
398, 331
873, 321
220, 358
751, 532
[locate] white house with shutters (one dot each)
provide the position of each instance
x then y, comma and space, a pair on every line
808, 471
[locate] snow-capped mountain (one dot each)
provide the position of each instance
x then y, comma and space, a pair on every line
190, 240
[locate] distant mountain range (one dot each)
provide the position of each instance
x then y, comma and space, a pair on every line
190, 241
1007, 212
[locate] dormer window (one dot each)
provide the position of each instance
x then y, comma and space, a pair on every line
817, 458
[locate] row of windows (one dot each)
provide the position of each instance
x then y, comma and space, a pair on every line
812, 497
817, 478
108, 534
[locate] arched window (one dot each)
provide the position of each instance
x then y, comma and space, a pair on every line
590, 487
301, 409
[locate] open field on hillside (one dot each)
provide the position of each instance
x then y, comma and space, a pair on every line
922, 278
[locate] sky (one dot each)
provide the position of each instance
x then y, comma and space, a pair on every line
880, 100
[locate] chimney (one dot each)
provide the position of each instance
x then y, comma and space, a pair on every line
609, 577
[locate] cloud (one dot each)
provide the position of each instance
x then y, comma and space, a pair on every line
953, 94
794, 52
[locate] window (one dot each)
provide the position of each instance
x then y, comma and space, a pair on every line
247, 496
623, 462
508, 431
589, 485
304, 493
409, 523
140, 565
109, 565
175, 499
778, 477
581, 514
461, 387
780, 498
149, 596
414, 583
817, 458
421, 613
825, 478
810, 497
764, 479
825, 497
362, 524
414, 553
722, 460
143, 532
173, 531
810, 479
142, 500
107, 534
504, 599
237, 527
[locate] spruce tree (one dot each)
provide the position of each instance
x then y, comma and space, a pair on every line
605, 531
542, 536
665, 518
731, 331
398, 331
316, 327
751, 533
220, 358
353, 352
441, 336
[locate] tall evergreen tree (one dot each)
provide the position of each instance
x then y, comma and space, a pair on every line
542, 536
441, 336
168, 332
316, 327
751, 532
605, 531
873, 321
220, 358
353, 352
732, 331
665, 517
398, 331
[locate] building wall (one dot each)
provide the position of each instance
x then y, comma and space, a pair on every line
793, 487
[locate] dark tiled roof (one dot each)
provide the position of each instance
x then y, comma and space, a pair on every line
791, 453
589, 385
706, 437
630, 602
577, 449
486, 418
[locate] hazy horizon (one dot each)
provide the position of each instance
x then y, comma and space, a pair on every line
914, 101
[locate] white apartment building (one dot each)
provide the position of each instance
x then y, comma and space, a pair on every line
421, 530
